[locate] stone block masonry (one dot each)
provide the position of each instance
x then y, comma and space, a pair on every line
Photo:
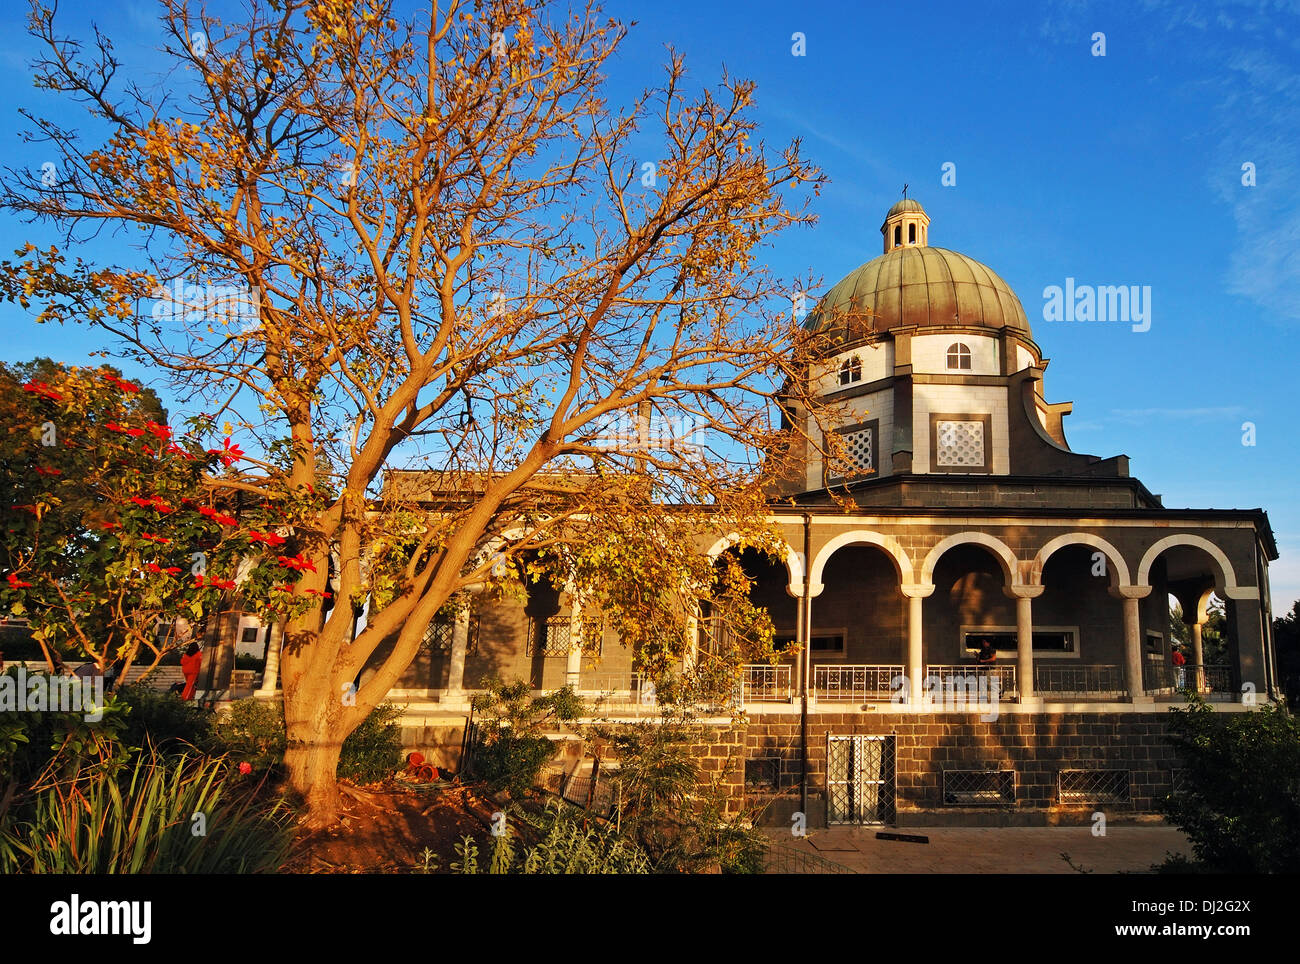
1036, 747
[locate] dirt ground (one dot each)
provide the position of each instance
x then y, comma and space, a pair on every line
384, 829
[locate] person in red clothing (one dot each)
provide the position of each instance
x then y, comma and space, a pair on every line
1180, 666
190, 664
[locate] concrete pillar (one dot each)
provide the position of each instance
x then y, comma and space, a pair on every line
271, 672
1025, 647
459, 647
1024, 597
573, 671
915, 641
691, 654
1132, 595
1245, 621
1198, 660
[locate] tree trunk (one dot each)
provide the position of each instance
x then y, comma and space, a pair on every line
313, 773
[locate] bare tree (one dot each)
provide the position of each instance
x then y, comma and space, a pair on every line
447, 251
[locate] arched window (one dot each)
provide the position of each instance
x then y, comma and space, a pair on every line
851, 370
898, 235
959, 356
911, 234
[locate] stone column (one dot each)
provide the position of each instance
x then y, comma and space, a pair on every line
271, 672
915, 642
459, 648
691, 653
1024, 597
1132, 595
1198, 659
573, 671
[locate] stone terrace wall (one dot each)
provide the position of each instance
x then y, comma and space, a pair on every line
1035, 746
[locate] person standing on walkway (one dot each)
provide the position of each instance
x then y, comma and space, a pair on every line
191, 663
1180, 666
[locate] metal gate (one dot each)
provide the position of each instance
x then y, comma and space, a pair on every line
859, 779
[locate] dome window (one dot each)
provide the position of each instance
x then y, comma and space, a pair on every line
911, 233
851, 371
898, 235
959, 356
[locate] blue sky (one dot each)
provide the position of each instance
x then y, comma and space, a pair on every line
1122, 169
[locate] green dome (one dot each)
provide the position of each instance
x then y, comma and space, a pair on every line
907, 204
925, 287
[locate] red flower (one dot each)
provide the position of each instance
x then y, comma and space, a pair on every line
317, 592
43, 390
269, 538
143, 503
198, 581
162, 432
245, 768
109, 526
174, 449
44, 471
16, 583
124, 386
222, 583
154, 538
229, 454
285, 587
297, 563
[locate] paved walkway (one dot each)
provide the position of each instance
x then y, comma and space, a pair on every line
994, 850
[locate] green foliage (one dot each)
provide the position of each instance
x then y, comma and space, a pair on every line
373, 750
677, 817
566, 844
1240, 801
254, 733
162, 815
34, 743
511, 751
165, 720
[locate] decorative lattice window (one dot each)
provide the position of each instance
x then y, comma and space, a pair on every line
959, 356
859, 453
851, 370
552, 635
438, 637
959, 444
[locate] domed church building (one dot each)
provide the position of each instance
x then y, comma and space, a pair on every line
986, 611
989, 623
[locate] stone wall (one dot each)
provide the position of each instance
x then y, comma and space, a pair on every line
1035, 746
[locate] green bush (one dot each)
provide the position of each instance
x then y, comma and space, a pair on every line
509, 750
374, 749
253, 732
161, 815
565, 844
678, 817
1240, 800
165, 720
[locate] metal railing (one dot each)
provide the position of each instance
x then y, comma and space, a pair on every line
970, 682
630, 689
1099, 681
785, 859
1093, 786
1211, 681
856, 682
765, 683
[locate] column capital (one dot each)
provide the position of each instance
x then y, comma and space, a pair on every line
916, 590
1130, 592
1023, 591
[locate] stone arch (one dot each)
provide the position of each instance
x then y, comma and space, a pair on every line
793, 561
1227, 580
1006, 558
889, 544
1118, 566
